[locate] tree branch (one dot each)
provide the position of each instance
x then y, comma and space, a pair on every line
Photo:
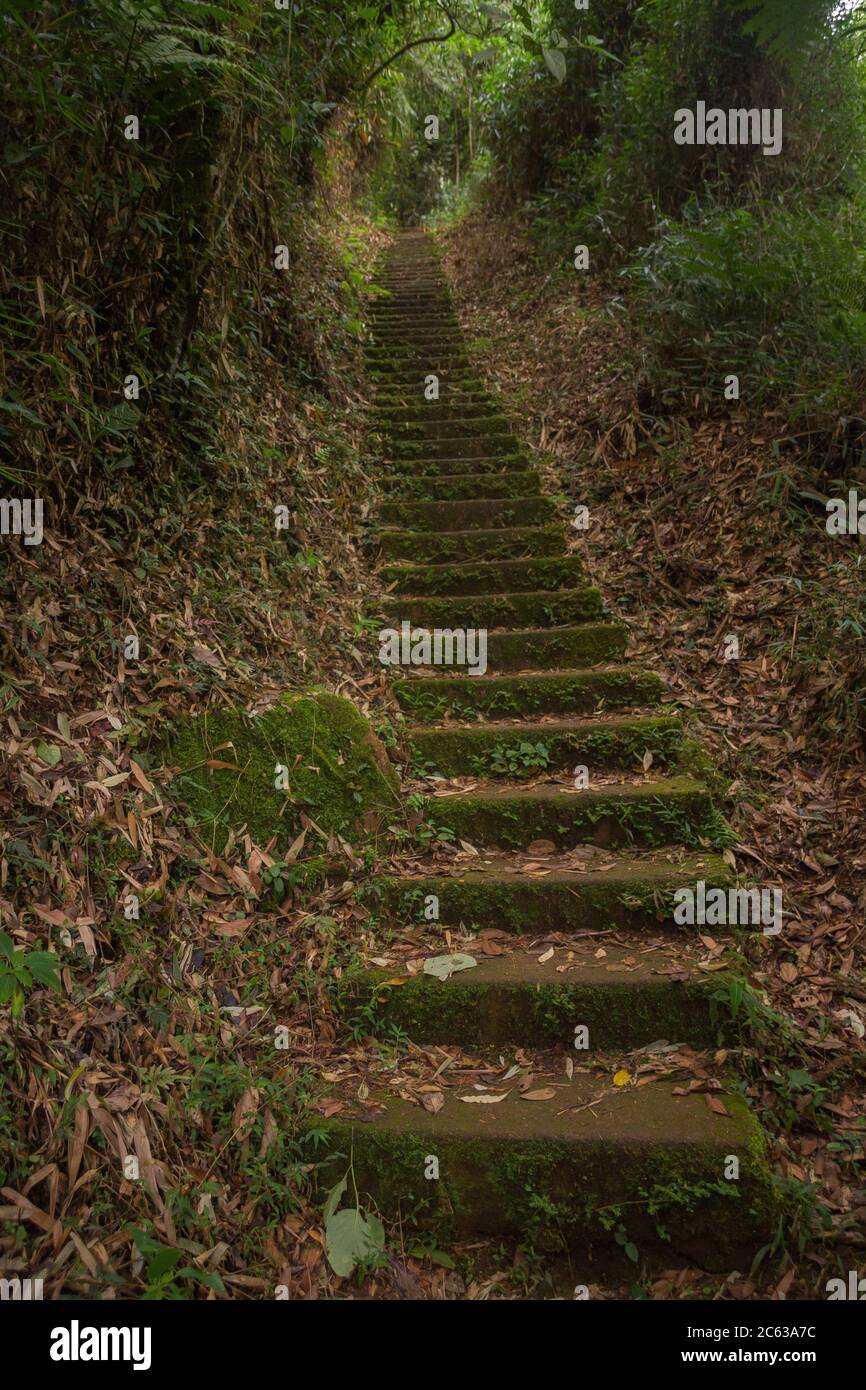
430, 38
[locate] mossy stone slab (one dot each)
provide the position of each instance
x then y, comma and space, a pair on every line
571, 1170
338, 770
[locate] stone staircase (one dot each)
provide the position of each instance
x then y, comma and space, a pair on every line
627, 1170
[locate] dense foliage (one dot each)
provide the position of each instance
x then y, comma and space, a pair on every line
156, 156
734, 261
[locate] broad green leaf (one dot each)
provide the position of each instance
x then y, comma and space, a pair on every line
43, 967
351, 1237
162, 1261
555, 60
211, 1279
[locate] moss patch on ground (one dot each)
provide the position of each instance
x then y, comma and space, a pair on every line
337, 770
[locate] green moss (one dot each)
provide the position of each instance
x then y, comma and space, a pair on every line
483, 749
674, 811
503, 576
473, 1013
338, 771
431, 698
461, 514
695, 761
497, 610
636, 895
506, 543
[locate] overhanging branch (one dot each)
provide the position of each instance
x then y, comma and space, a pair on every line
415, 43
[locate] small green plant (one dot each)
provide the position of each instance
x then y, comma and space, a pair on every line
20, 970
354, 1239
278, 878
161, 1270
801, 1220
517, 760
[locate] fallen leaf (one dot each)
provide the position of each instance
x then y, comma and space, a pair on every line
443, 966
540, 847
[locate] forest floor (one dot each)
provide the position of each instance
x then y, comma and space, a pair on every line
156, 1041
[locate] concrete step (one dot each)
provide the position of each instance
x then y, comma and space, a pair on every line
519, 748
464, 487
625, 995
499, 576
536, 649
567, 893
571, 1172
434, 698
487, 444
501, 459
494, 611
504, 542
665, 811
463, 514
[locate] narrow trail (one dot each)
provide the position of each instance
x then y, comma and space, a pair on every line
470, 541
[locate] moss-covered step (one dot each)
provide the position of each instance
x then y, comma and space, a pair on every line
436, 335
408, 321
446, 425
389, 416
442, 344
484, 466
625, 1000
666, 811
384, 359
484, 513
498, 577
389, 381
522, 749
412, 404
463, 487
505, 542
541, 609
593, 1163
401, 317
337, 770
408, 389
396, 369
474, 445
541, 649
635, 894
433, 698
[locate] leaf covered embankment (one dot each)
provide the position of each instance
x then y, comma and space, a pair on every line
165, 588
